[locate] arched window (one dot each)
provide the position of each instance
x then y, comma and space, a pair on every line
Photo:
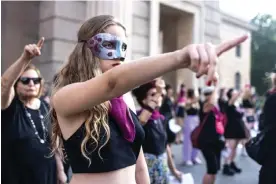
238, 80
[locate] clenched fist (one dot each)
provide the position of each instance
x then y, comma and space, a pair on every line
32, 50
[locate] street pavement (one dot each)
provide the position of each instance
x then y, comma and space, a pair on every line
249, 175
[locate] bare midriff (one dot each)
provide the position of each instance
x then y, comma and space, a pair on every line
121, 176
181, 103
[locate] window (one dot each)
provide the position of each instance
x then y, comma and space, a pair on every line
238, 81
238, 51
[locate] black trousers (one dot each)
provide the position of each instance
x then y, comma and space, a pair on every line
268, 173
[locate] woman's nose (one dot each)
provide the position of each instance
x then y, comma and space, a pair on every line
31, 83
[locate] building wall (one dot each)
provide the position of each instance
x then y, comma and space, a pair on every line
229, 63
140, 29
212, 21
58, 22
19, 27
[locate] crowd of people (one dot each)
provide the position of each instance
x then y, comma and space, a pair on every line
90, 123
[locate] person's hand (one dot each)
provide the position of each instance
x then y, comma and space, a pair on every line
32, 50
178, 174
62, 178
202, 58
160, 85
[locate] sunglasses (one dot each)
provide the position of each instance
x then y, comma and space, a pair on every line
27, 80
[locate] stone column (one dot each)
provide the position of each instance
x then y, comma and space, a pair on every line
185, 37
212, 21
59, 23
154, 27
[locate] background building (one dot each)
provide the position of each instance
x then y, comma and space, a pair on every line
153, 26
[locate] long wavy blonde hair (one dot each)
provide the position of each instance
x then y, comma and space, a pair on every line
82, 66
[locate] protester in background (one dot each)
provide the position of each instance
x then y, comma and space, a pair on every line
222, 100
26, 150
190, 154
211, 138
155, 144
180, 111
267, 172
235, 131
200, 98
248, 104
167, 109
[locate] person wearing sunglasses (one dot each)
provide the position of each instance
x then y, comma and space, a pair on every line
155, 146
26, 153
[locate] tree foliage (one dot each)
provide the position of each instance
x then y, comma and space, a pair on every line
263, 51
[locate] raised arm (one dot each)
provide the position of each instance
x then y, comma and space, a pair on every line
11, 75
78, 97
234, 98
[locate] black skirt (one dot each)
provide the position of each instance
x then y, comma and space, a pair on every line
235, 130
180, 112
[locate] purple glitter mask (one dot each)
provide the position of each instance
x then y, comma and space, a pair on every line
107, 46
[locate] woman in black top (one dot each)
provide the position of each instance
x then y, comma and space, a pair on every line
89, 114
190, 154
180, 111
26, 150
267, 172
211, 140
222, 101
149, 97
235, 131
248, 105
167, 109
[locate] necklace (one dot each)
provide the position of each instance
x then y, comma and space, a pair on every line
42, 140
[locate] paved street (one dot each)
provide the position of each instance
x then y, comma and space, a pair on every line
248, 176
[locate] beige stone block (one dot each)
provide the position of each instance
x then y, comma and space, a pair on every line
140, 44
140, 26
212, 3
46, 28
66, 29
47, 9
212, 29
49, 69
137, 56
75, 10
212, 15
141, 8
62, 50
46, 52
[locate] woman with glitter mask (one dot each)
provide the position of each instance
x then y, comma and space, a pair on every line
102, 137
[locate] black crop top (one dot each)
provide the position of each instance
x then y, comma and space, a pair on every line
155, 137
116, 154
247, 104
192, 111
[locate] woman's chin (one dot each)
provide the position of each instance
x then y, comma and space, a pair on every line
30, 95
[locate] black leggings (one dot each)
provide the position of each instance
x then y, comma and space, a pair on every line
212, 158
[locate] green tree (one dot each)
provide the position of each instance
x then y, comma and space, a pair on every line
263, 51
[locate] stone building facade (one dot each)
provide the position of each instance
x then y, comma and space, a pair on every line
153, 27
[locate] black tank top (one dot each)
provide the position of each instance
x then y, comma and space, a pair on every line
247, 104
192, 111
156, 137
116, 154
